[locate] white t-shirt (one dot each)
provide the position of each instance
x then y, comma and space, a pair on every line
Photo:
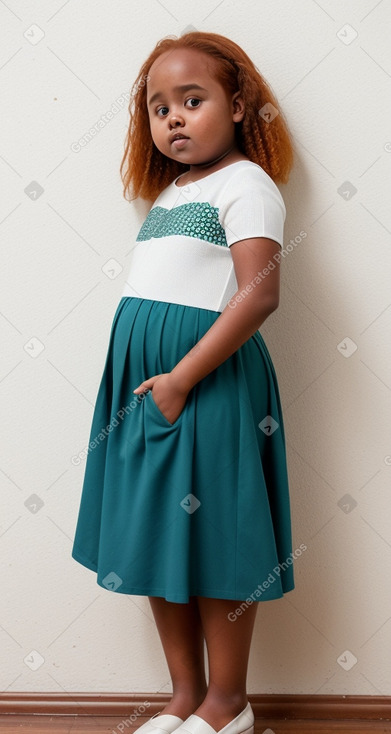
182, 251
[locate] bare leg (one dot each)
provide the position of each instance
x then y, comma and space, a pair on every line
228, 644
181, 634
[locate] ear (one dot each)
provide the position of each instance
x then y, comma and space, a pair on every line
238, 107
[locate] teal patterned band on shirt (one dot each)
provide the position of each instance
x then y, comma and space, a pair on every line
196, 219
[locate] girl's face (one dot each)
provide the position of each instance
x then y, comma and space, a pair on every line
183, 98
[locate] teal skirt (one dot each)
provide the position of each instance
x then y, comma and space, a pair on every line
199, 507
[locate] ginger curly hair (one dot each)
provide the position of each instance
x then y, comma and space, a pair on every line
266, 143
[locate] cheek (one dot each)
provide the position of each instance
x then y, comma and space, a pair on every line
206, 118
154, 128
206, 128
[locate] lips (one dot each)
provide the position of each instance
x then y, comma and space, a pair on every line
178, 136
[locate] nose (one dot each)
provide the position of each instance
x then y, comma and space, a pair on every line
175, 119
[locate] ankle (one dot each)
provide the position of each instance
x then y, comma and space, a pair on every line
184, 703
234, 703
192, 694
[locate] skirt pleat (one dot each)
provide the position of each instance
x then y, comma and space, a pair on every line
200, 507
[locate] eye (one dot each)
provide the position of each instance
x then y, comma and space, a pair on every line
193, 99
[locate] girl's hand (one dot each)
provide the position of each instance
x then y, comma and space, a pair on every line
168, 397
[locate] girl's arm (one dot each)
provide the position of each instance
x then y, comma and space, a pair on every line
239, 320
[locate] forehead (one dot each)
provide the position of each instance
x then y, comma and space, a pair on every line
185, 64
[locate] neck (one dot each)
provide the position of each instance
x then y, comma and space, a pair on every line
210, 163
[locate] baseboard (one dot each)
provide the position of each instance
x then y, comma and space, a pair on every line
141, 706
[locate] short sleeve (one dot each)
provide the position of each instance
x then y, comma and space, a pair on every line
252, 206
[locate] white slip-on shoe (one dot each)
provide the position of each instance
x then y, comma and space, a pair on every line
163, 724
242, 724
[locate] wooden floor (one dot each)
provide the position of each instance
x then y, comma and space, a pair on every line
10, 724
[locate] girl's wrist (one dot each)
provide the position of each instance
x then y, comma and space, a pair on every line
182, 382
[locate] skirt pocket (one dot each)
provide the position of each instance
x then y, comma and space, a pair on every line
150, 402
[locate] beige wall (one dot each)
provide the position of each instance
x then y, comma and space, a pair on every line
335, 294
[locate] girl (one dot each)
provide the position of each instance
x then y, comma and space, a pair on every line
185, 496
